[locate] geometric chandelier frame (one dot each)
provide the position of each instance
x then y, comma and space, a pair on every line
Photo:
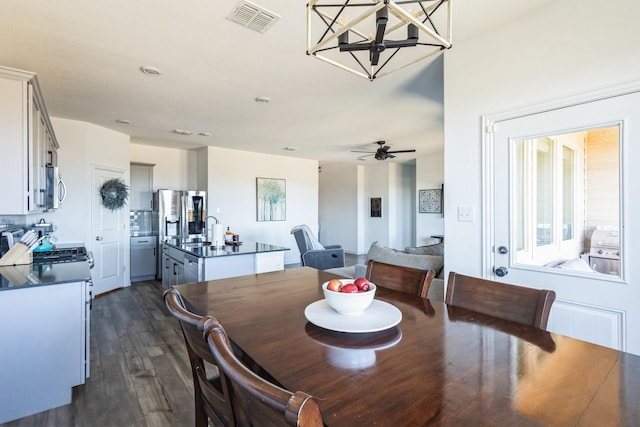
373, 38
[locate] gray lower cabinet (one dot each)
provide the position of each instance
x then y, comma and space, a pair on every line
173, 267
143, 258
192, 269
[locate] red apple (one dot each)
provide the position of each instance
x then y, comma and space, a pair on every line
362, 284
334, 285
350, 289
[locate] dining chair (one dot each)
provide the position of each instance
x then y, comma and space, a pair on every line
211, 389
259, 402
399, 278
519, 304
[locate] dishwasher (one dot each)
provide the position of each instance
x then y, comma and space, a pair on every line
143, 258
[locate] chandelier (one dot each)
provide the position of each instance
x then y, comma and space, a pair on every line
373, 38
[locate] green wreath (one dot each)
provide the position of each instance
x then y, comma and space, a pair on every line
114, 193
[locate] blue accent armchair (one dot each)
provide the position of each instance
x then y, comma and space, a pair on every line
313, 254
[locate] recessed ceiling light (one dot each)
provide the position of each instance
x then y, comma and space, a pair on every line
204, 134
150, 70
123, 121
262, 100
290, 148
182, 132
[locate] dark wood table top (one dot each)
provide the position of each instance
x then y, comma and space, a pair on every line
439, 366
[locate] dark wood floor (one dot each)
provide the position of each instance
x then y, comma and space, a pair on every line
140, 374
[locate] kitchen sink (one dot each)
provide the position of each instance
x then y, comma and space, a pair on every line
197, 244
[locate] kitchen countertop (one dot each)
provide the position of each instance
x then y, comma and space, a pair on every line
42, 274
245, 248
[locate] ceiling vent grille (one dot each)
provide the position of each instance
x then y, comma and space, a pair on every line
253, 16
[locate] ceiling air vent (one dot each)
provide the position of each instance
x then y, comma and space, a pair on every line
253, 16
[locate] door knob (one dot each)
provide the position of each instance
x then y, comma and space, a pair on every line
98, 238
501, 271
503, 250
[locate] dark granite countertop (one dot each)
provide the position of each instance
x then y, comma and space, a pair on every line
43, 274
244, 248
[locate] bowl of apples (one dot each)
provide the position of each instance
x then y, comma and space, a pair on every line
349, 296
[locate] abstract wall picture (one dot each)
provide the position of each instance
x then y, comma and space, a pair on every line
430, 201
271, 199
376, 207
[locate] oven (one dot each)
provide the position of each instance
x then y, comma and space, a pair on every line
604, 255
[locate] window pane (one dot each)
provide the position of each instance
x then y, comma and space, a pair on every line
519, 200
568, 195
544, 191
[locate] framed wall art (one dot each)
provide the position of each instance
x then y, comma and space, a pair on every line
376, 207
271, 199
430, 201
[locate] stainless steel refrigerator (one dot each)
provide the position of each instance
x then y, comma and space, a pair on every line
178, 215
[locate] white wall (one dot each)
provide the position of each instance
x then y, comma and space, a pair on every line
232, 195
81, 145
567, 48
174, 169
339, 208
345, 215
376, 184
429, 175
402, 206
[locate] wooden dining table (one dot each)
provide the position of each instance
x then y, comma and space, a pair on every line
439, 365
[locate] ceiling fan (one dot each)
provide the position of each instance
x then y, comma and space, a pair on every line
382, 153
379, 44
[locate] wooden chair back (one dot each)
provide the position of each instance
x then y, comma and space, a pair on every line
510, 302
262, 403
211, 392
403, 279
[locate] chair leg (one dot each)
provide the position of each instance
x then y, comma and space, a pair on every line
202, 420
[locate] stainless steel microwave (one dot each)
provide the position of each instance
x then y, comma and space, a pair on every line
55, 190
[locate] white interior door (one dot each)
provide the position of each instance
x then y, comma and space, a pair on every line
108, 236
596, 307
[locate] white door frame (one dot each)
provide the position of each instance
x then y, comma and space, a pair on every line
488, 151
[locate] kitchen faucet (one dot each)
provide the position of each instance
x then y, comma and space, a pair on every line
205, 226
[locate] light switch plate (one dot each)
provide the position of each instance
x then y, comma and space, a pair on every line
466, 214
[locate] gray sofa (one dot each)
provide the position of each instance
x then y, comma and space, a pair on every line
428, 257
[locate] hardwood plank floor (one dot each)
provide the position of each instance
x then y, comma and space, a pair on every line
140, 373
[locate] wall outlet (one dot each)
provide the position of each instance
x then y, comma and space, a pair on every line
466, 214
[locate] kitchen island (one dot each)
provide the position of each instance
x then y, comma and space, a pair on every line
192, 261
44, 326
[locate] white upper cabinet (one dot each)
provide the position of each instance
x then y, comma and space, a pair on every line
141, 187
27, 143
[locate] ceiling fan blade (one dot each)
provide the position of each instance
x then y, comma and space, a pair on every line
358, 151
401, 151
390, 156
385, 148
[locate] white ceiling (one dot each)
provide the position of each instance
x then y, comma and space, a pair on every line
87, 55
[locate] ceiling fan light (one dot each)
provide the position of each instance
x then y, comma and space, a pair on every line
149, 70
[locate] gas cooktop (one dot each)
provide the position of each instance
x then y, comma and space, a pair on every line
61, 254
